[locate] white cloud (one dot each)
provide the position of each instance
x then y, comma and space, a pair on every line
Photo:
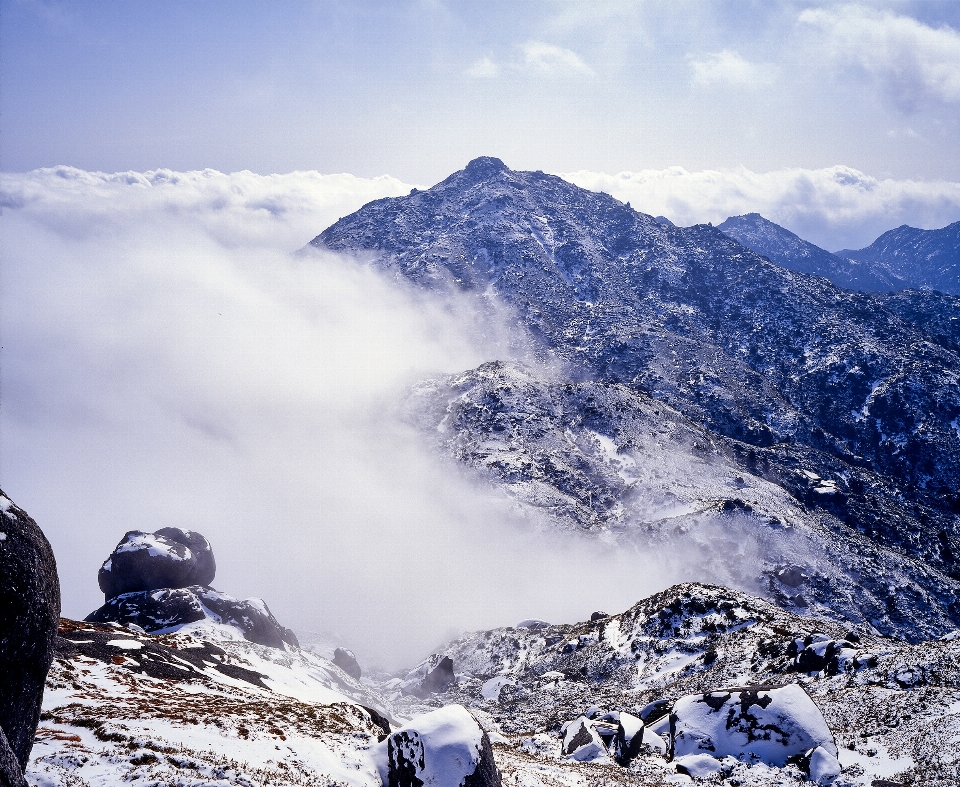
834, 207
484, 68
911, 59
552, 60
281, 212
166, 361
730, 68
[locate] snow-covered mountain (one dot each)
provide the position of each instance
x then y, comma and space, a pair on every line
792, 252
847, 408
919, 258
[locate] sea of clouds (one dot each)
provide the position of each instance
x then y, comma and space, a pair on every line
168, 361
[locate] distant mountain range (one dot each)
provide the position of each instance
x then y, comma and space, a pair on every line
904, 258
706, 388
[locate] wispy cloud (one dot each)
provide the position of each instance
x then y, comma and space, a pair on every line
730, 68
552, 60
484, 68
910, 59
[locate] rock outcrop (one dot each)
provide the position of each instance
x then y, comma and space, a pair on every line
168, 558
774, 725
430, 676
170, 608
345, 659
160, 581
29, 612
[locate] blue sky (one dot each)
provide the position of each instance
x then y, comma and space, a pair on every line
415, 88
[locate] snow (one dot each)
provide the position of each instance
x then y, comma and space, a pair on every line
444, 746
154, 546
491, 688
127, 644
769, 727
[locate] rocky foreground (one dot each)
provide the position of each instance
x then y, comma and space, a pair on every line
555, 704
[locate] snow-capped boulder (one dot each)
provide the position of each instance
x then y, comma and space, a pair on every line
819, 653
345, 659
29, 612
206, 566
150, 561
773, 725
628, 740
169, 608
443, 748
582, 741
430, 676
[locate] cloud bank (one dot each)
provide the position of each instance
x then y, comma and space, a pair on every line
913, 61
834, 207
168, 362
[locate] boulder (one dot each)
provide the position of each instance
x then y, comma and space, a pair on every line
443, 748
146, 561
430, 676
773, 725
345, 659
818, 653
170, 608
29, 614
628, 741
581, 740
205, 567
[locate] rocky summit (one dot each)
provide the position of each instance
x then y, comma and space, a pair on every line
845, 406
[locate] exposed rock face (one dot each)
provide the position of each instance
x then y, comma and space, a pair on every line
29, 611
581, 741
167, 608
446, 748
169, 558
205, 568
430, 676
347, 662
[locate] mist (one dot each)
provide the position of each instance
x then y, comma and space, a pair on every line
168, 362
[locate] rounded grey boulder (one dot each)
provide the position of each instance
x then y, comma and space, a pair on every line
169, 558
205, 568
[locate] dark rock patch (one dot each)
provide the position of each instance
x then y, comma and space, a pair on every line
346, 661
168, 608
29, 611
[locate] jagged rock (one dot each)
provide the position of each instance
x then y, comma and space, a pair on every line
432, 675
168, 608
29, 611
599, 616
773, 725
347, 662
150, 561
444, 748
582, 741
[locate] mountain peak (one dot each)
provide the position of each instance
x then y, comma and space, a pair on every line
485, 167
